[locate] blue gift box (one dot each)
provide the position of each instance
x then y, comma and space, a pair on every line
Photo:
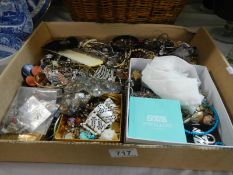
155, 120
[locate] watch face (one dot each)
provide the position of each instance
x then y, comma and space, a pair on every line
38, 8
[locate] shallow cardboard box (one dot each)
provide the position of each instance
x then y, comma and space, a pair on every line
163, 156
116, 125
225, 127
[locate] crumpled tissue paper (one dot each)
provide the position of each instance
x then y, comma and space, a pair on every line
170, 77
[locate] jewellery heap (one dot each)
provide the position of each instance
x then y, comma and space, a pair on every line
92, 74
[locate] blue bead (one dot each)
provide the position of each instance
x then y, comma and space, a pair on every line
26, 70
43, 65
91, 136
83, 136
86, 135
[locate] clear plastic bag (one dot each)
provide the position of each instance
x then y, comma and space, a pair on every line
32, 110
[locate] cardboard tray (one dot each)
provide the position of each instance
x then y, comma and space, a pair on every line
162, 156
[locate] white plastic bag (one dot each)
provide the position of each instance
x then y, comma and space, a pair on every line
173, 78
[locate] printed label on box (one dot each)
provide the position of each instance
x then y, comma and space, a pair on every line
120, 153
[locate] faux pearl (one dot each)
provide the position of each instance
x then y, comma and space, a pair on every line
69, 136
197, 117
208, 120
108, 134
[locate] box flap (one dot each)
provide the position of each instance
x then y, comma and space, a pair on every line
103, 31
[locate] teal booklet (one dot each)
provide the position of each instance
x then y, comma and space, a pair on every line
155, 120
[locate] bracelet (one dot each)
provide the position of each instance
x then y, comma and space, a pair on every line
210, 130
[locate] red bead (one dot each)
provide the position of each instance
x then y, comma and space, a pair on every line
30, 81
36, 70
14, 120
77, 121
